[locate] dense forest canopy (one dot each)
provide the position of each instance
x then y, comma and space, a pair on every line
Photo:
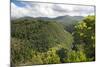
38, 41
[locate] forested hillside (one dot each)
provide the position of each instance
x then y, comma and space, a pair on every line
38, 41
67, 21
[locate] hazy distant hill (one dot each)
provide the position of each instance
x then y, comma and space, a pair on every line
66, 18
67, 21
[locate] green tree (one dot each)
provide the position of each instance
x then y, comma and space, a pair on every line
85, 34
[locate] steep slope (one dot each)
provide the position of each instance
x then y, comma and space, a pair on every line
40, 35
69, 21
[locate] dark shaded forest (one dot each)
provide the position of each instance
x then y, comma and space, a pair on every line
40, 41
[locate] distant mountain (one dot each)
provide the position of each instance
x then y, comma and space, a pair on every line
26, 17
68, 18
67, 21
59, 18
62, 18
44, 18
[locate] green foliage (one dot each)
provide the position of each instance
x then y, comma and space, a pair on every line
75, 56
42, 35
36, 41
63, 53
50, 57
85, 33
71, 56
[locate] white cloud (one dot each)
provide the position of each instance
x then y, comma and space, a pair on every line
86, 2
18, 11
49, 10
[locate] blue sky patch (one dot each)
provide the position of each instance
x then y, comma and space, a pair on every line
18, 3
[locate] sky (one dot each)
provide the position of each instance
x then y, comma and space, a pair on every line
87, 2
34, 9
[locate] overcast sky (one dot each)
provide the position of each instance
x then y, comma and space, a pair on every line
33, 9
87, 2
